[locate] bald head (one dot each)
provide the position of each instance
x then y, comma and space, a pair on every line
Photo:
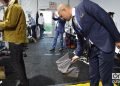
62, 7
64, 11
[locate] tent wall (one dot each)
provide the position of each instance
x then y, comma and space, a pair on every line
108, 5
113, 6
30, 6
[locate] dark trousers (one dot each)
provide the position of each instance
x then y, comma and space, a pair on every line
101, 66
33, 27
41, 30
17, 62
29, 31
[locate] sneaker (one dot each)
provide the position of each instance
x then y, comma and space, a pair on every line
22, 83
53, 49
1, 83
61, 49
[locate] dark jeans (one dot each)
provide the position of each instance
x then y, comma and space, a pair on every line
101, 66
17, 62
57, 34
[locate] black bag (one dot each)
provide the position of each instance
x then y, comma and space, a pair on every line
71, 41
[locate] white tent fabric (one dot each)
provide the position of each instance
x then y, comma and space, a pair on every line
30, 6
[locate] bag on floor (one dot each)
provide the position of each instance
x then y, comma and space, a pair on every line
37, 29
66, 67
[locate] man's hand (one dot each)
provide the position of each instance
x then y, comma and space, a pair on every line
74, 59
118, 45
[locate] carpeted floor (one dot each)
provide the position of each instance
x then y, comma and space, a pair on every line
41, 66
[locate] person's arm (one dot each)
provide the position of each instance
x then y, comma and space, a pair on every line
79, 49
55, 18
12, 18
103, 18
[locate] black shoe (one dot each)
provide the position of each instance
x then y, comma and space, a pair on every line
61, 49
25, 83
53, 49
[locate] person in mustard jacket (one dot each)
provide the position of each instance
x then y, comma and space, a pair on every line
14, 32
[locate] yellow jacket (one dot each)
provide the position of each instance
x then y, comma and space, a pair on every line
14, 25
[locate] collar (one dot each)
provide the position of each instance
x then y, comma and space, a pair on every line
11, 2
73, 11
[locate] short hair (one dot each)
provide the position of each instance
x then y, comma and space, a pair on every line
111, 14
62, 7
41, 14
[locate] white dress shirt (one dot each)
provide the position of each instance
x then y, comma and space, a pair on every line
41, 20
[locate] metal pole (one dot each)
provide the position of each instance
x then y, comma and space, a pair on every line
37, 5
37, 14
68, 2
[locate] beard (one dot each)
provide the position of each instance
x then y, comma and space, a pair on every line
67, 18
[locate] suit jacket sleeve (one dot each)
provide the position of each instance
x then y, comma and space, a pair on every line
61, 20
80, 41
11, 19
103, 18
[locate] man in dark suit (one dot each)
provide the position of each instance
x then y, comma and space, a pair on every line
94, 25
59, 31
